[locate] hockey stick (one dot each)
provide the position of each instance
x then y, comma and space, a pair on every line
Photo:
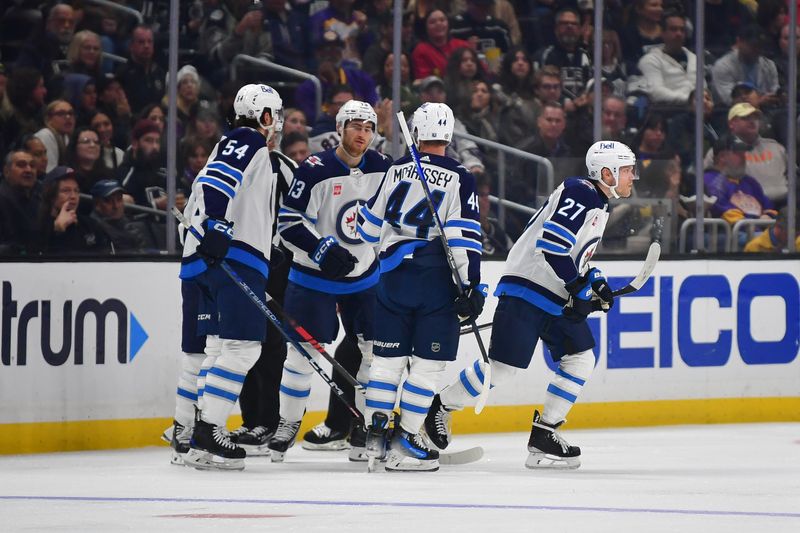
451, 261
644, 274
468, 329
272, 318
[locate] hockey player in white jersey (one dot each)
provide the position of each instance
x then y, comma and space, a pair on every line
232, 201
416, 318
332, 266
546, 292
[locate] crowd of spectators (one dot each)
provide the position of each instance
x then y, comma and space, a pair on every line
83, 99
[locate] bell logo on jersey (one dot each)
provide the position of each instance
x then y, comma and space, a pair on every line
337, 189
346, 222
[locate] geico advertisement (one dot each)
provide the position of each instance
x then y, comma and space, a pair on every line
99, 341
696, 329
88, 341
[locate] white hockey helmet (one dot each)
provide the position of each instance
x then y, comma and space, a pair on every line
433, 122
611, 155
255, 98
355, 110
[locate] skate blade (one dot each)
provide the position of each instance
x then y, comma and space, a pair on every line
202, 460
256, 451
276, 456
332, 446
167, 435
396, 462
544, 461
177, 459
358, 455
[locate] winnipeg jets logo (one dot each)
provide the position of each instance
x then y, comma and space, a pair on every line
347, 221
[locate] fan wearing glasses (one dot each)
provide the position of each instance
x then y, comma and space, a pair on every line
59, 124
84, 155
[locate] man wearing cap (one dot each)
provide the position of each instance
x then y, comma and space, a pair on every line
123, 233
745, 63
669, 69
738, 195
141, 172
20, 196
766, 158
331, 72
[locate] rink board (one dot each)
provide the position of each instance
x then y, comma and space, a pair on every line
702, 342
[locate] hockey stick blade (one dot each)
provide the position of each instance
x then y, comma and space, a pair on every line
451, 262
644, 274
470, 455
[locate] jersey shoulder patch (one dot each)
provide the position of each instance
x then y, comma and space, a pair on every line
583, 190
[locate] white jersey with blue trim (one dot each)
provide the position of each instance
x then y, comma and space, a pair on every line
323, 201
236, 184
556, 245
398, 220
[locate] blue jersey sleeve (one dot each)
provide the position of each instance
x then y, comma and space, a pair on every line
222, 177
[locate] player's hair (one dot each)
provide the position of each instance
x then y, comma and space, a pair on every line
291, 138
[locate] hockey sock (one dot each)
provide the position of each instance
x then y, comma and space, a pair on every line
469, 384
418, 390
224, 380
365, 347
296, 382
186, 397
213, 350
573, 371
384, 378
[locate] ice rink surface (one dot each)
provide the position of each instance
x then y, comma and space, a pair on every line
715, 478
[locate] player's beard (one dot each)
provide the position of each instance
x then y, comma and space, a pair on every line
352, 150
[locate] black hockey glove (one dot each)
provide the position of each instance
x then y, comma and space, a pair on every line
217, 236
580, 299
602, 290
469, 305
334, 261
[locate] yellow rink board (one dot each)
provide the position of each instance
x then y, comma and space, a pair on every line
47, 437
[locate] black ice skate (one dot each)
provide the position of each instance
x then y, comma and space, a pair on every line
437, 424
179, 442
375, 443
255, 441
408, 452
358, 444
283, 439
211, 449
321, 437
236, 433
548, 449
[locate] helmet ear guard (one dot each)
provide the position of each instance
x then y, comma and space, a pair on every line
433, 122
612, 155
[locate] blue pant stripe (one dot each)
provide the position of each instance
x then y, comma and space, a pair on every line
467, 385
417, 390
203, 372
186, 394
379, 405
570, 377
413, 408
232, 376
296, 393
200, 393
295, 372
382, 385
478, 371
210, 389
552, 389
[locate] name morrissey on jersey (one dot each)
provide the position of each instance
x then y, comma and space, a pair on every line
437, 177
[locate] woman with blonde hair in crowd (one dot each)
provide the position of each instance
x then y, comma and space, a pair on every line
59, 121
85, 54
